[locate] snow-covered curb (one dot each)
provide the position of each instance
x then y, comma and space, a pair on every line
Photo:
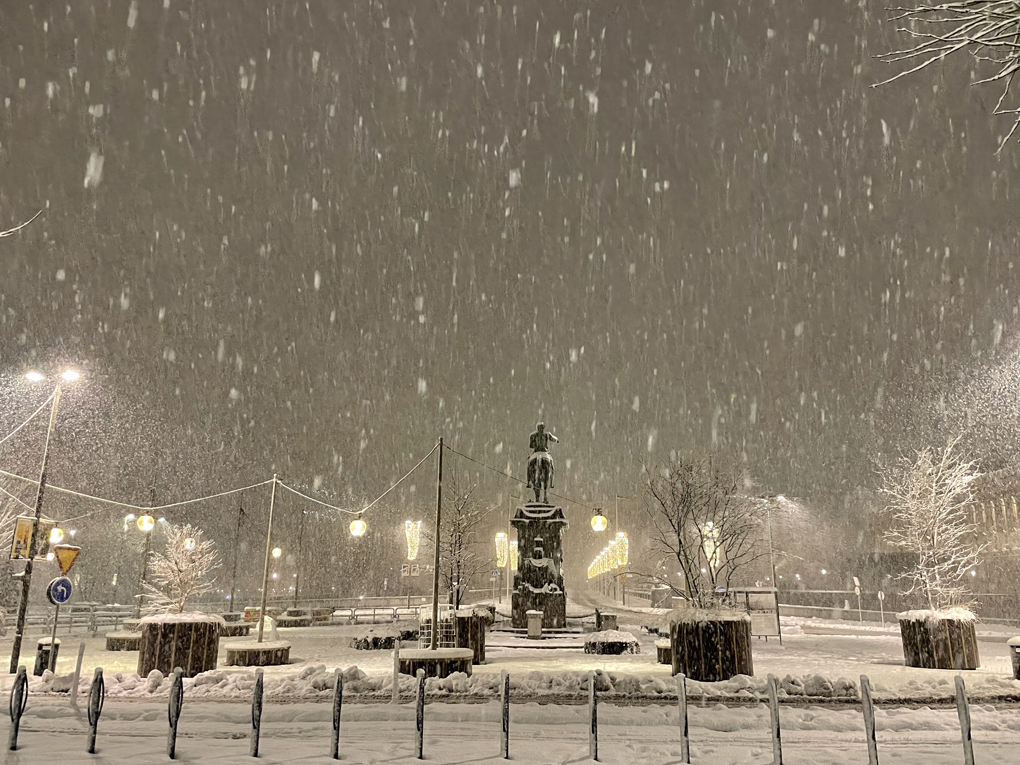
193, 617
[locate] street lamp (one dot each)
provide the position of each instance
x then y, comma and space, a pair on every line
358, 527
599, 522
33, 546
145, 524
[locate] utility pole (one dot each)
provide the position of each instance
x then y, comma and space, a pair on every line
33, 546
300, 560
265, 571
772, 551
433, 641
237, 554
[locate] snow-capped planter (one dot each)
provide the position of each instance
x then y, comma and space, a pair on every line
441, 662
943, 639
383, 638
611, 643
248, 653
663, 651
190, 641
123, 641
710, 646
470, 626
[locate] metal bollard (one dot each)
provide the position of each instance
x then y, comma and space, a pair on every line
681, 699
174, 711
593, 711
869, 720
777, 740
963, 711
504, 697
256, 713
396, 674
77, 675
19, 698
419, 717
338, 700
97, 697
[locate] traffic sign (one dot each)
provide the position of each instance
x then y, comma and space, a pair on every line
494, 575
59, 591
66, 556
881, 595
405, 569
22, 541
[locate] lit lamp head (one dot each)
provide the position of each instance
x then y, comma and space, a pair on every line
277, 552
189, 544
56, 535
358, 527
146, 523
599, 522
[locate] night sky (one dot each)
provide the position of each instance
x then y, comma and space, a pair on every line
312, 238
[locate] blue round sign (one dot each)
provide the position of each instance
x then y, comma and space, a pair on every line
59, 591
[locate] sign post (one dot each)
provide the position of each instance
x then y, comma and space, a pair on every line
57, 592
881, 605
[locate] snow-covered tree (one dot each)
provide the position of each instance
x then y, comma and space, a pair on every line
987, 29
183, 571
929, 497
704, 522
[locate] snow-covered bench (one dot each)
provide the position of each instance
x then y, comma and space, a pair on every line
611, 643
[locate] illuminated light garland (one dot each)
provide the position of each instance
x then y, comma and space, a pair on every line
502, 550
413, 531
513, 555
615, 555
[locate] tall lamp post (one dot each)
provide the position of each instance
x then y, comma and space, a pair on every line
26, 579
145, 524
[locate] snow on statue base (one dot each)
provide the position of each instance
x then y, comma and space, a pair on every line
939, 639
538, 583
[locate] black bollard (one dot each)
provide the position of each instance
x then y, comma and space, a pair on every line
256, 713
777, 737
338, 700
504, 697
97, 697
963, 711
681, 698
419, 717
593, 711
19, 698
174, 711
868, 707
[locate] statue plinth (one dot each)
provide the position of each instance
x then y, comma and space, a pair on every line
538, 583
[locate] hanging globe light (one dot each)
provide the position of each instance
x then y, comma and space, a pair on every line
146, 523
189, 544
56, 535
277, 552
599, 522
358, 527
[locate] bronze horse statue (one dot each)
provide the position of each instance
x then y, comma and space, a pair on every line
540, 471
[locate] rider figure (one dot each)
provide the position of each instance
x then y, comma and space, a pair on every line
540, 450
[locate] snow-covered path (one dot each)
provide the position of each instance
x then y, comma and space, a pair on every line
215, 732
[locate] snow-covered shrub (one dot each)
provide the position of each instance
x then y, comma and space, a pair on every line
929, 497
183, 571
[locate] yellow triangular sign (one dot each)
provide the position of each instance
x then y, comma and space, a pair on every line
66, 556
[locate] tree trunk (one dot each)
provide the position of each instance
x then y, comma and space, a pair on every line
190, 645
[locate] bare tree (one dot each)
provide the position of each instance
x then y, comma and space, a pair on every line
459, 560
987, 29
703, 522
929, 497
183, 571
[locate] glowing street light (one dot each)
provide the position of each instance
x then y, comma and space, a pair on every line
146, 523
34, 377
599, 522
56, 535
70, 375
358, 527
277, 552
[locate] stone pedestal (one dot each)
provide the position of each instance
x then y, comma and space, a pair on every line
538, 583
534, 625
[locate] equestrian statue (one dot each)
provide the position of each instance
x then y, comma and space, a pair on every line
540, 463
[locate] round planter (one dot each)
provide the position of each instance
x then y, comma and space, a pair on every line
935, 640
710, 647
188, 641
